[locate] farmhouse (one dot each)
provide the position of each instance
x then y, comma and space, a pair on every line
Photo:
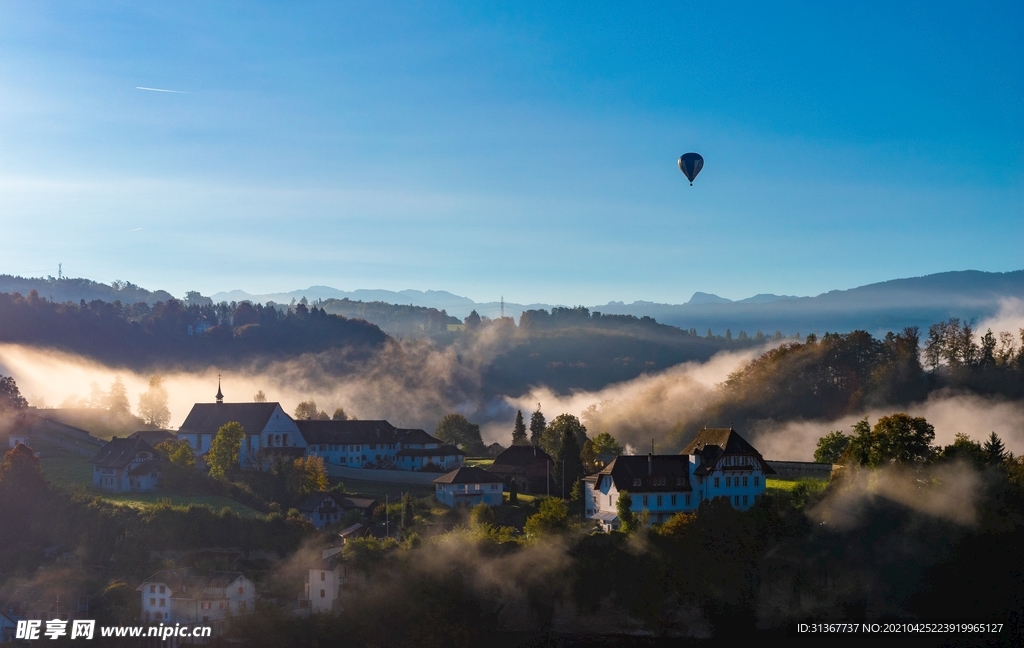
180, 596
469, 486
126, 465
529, 466
717, 463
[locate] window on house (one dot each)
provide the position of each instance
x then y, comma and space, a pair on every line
222, 604
636, 481
716, 482
744, 500
645, 501
687, 500
286, 439
163, 589
323, 593
159, 615
152, 589
323, 576
241, 590
241, 605
152, 602
659, 501
205, 605
728, 482
736, 500
163, 602
744, 481
673, 500
757, 481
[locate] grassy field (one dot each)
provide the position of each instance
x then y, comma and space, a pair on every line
146, 500
378, 490
787, 485
65, 469
479, 462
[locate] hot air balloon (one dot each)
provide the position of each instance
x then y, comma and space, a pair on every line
691, 164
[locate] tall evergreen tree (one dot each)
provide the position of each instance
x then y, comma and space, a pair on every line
519, 431
537, 425
995, 451
568, 463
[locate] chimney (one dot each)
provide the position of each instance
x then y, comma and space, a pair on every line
650, 464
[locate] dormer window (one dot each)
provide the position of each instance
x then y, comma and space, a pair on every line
636, 481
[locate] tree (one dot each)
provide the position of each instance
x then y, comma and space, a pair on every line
21, 477
458, 431
10, 395
553, 518
537, 425
966, 449
568, 462
995, 452
472, 321
259, 397
117, 399
310, 475
605, 444
153, 403
482, 517
902, 439
858, 450
831, 447
513, 492
224, 449
624, 509
551, 440
178, 452
307, 409
519, 431
339, 415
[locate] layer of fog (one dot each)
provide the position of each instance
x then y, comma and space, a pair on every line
1010, 319
651, 406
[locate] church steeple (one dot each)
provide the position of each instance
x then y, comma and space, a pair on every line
220, 396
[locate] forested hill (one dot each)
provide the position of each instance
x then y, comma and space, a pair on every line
65, 289
137, 335
394, 319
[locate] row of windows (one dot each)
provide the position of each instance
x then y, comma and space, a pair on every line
731, 482
660, 499
659, 481
335, 447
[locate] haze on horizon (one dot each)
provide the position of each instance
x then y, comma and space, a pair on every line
527, 152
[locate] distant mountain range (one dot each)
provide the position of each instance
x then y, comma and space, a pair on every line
877, 308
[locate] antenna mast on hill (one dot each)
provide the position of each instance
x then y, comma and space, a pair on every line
503, 307
60, 271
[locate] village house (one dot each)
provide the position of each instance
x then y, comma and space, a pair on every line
324, 581
717, 463
126, 465
469, 486
527, 465
269, 431
376, 444
180, 596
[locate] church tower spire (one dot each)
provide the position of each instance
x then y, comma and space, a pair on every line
220, 396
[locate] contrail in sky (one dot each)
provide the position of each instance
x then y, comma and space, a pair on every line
160, 90
137, 229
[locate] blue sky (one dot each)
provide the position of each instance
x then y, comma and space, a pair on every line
526, 150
